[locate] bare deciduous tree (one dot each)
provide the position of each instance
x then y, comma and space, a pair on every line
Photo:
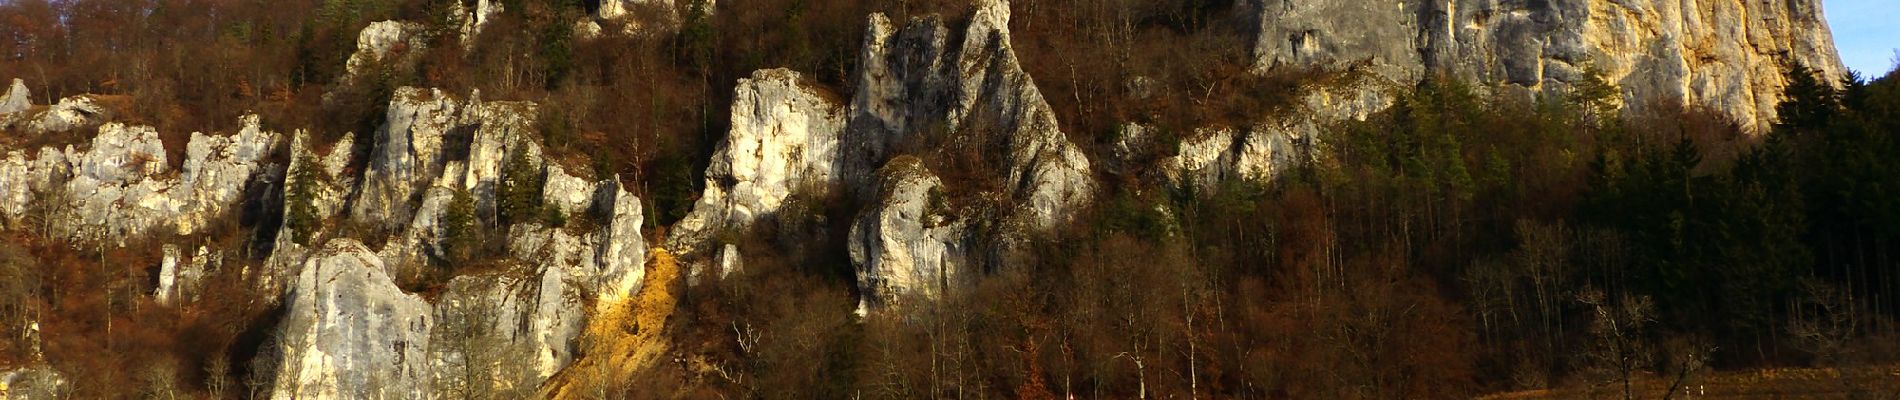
1618, 351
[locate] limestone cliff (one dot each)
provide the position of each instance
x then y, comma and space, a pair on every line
784, 141
550, 313
918, 87
1728, 54
349, 331
123, 185
409, 155
431, 147
909, 243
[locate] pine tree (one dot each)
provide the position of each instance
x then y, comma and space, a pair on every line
460, 230
1808, 104
519, 195
300, 210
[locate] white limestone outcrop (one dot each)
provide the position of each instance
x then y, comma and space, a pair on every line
123, 184
385, 43
910, 242
348, 331
1728, 54
916, 83
408, 155
784, 140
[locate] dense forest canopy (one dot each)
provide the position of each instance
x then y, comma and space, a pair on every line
1463, 241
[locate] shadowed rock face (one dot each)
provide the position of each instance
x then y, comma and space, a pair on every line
1728, 54
915, 82
905, 83
922, 92
511, 326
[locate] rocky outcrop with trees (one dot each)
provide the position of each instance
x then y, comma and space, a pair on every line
937, 198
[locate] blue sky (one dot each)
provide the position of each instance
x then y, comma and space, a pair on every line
1867, 32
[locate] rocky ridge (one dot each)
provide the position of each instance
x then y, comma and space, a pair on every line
351, 328
922, 91
1727, 54
123, 185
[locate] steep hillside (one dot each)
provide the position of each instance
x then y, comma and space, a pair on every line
935, 199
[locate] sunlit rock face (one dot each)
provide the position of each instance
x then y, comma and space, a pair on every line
916, 88
348, 331
1727, 54
18, 113
784, 141
432, 148
1001, 107
385, 44
123, 184
909, 243
17, 98
407, 156
1204, 158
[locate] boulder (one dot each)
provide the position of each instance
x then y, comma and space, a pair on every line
70, 113
17, 99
